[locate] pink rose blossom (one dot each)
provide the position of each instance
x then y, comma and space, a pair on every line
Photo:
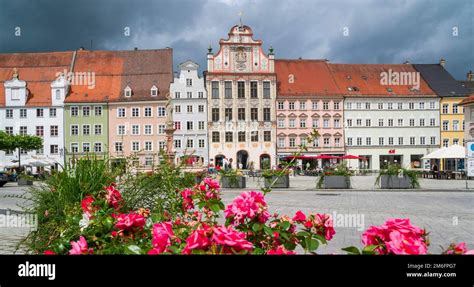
396, 236
162, 234
321, 224
86, 205
459, 249
199, 239
280, 251
49, 252
80, 247
113, 196
212, 184
248, 205
187, 199
128, 222
230, 239
299, 216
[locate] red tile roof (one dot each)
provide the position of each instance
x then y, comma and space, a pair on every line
114, 70
305, 78
468, 100
37, 69
366, 78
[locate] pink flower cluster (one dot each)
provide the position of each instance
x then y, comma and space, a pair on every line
396, 236
319, 223
280, 251
218, 239
458, 249
187, 196
210, 188
162, 235
113, 196
86, 205
80, 247
248, 205
129, 222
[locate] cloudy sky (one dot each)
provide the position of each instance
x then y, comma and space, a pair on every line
379, 31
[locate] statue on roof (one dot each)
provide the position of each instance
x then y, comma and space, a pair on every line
15, 73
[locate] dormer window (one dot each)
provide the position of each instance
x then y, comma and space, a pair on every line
128, 92
154, 91
58, 94
189, 82
15, 94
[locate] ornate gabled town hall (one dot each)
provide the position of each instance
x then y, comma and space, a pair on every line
249, 109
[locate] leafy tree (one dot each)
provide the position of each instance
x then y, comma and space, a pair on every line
21, 142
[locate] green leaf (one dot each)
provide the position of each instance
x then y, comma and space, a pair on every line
320, 238
258, 251
302, 234
285, 225
174, 249
369, 250
352, 250
133, 249
257, 227
268, 230
215, 207
284, 236
311, 244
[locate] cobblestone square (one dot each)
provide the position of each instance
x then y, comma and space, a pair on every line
444, 208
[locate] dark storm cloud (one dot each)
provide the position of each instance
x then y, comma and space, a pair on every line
379, 31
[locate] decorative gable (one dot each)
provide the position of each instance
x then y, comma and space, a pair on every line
59, 90
16, 93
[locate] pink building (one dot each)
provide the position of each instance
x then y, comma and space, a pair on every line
137, 117
308, 99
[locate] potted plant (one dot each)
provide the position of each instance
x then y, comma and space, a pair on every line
337, 177
232, 178
396, 177
24, 179
279, 178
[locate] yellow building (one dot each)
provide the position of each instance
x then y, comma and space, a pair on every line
452, 121
452, 93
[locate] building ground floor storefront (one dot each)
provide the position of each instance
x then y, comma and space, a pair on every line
243, 158
378, 158
308, 161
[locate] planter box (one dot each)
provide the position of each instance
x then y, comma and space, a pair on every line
227, 182
24, 182
279, 181
337, 182
394, 182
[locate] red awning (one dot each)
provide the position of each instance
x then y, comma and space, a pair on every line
325, 156
353, 157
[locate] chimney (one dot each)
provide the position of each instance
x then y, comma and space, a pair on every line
442, 62
406, 62
136, 48
81, 48
470, 76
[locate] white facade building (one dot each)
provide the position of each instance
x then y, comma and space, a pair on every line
43, 117
391, 130
241, 82
189, 98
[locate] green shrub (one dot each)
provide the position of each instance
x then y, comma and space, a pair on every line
55, 201
158, 191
